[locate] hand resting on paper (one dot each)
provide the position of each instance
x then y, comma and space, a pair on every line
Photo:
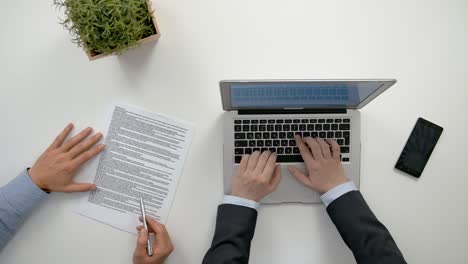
56, 167
52, 172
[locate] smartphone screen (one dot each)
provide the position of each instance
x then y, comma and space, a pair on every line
419, 147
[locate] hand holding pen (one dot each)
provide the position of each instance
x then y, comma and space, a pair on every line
161, 245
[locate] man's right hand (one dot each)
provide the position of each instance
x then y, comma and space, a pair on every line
162, 244
257, 176
322, 160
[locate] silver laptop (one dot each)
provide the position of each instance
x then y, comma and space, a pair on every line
266, 114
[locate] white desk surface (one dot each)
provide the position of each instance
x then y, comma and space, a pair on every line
46, 81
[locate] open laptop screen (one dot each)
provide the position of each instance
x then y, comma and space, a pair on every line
301, 95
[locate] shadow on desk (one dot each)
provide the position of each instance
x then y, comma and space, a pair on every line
403, 174
134, 62
297, 233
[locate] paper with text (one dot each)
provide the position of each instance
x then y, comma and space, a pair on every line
143, 157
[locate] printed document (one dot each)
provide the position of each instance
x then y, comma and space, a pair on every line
143, 157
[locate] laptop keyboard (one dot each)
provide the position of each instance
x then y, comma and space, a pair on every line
277, 135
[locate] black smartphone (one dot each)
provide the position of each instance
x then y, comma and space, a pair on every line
419, 147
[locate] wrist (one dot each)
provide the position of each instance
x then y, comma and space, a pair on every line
236, 200
338, 191
332, 185
37, 179
244, 196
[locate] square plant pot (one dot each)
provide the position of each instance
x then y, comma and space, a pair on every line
93, 56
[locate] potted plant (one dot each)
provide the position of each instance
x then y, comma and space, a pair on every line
105, 27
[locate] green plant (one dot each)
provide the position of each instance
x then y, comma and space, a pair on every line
106, 26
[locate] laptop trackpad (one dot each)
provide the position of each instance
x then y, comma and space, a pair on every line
291, 190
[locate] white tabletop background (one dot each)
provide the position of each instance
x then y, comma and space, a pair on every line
46, 81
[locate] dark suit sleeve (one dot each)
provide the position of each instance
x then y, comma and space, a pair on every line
235, 227
367, 238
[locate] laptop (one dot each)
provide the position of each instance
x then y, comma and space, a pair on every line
266, 114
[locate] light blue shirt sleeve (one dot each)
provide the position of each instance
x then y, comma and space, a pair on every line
229, 199
17, 199
335, 193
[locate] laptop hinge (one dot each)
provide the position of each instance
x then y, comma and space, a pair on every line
292, 111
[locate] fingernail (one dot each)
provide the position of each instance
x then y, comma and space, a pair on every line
101, 146
93, 187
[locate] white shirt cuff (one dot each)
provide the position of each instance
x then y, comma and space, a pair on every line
229, 199
335, 193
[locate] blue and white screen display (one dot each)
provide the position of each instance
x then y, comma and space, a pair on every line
284, 95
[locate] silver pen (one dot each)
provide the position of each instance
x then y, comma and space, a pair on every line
143, 215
